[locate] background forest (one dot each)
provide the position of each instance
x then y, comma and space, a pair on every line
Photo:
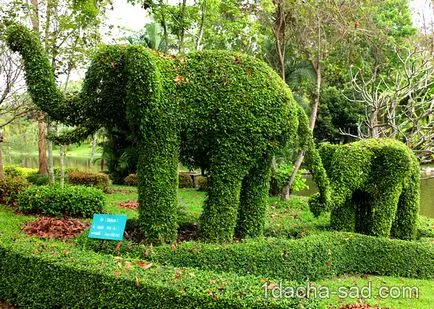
359, 68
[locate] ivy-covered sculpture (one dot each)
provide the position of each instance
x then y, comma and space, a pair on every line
224, 112
374, 188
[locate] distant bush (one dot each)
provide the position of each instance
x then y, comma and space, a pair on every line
89, 179
38, 179
202, 183
74, 201
10, 187
14, 171
185, 180
67, 170
131, 180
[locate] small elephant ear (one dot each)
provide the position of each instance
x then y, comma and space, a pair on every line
316, 206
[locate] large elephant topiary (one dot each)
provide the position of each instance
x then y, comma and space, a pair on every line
224, 112
374, 188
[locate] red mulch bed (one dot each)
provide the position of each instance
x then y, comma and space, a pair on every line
360, 306
129, 204
45, 227
5, 306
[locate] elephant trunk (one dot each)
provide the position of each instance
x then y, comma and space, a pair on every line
320, 201
39, 74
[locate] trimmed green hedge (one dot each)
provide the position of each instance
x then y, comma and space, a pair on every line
313, 257
57, 276
74, 201
89, 179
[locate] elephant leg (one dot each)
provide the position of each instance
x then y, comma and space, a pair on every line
384, 211
343, 218
253, 201
158, 189
217, 221
405, 224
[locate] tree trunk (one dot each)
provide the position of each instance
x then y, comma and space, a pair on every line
202, 26
50, 157
42, 132
182, 34
62, 165
93, 150
279, 30
286, 191
2, 174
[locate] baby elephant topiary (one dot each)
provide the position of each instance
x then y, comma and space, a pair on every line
374, 188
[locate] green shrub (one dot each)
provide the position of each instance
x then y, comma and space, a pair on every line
309, 258
131, 180
74, 201
38, 179
10, 188
89, 179
57, 171
58, 276
281, 175
14, 171
185, 180
202, 183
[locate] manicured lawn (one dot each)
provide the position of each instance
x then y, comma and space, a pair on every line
285, 220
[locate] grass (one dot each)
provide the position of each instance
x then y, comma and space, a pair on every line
284, 219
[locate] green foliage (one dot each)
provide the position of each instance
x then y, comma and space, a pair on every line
90, 179
185, 180
280, 175
61, 276
374, 188
310, 258
202, 183
131, 180
74, 201
38, 179
17, 171
166, 104
10, 188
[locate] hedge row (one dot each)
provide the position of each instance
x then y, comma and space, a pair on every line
55, 277
310, 258
74, 201
89, 179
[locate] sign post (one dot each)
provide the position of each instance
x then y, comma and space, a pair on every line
109, 227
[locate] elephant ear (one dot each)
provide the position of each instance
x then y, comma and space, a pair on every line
144, 108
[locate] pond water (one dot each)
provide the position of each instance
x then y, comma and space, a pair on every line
426, 195
31, 161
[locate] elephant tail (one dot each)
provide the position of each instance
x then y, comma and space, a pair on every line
40, 79
320, 201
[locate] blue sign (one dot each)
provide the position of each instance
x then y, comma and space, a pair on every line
108, 226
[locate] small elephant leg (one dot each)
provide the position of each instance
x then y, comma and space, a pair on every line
253, 201
219, 215
384, 212
405, 224
343, 218
157, 188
